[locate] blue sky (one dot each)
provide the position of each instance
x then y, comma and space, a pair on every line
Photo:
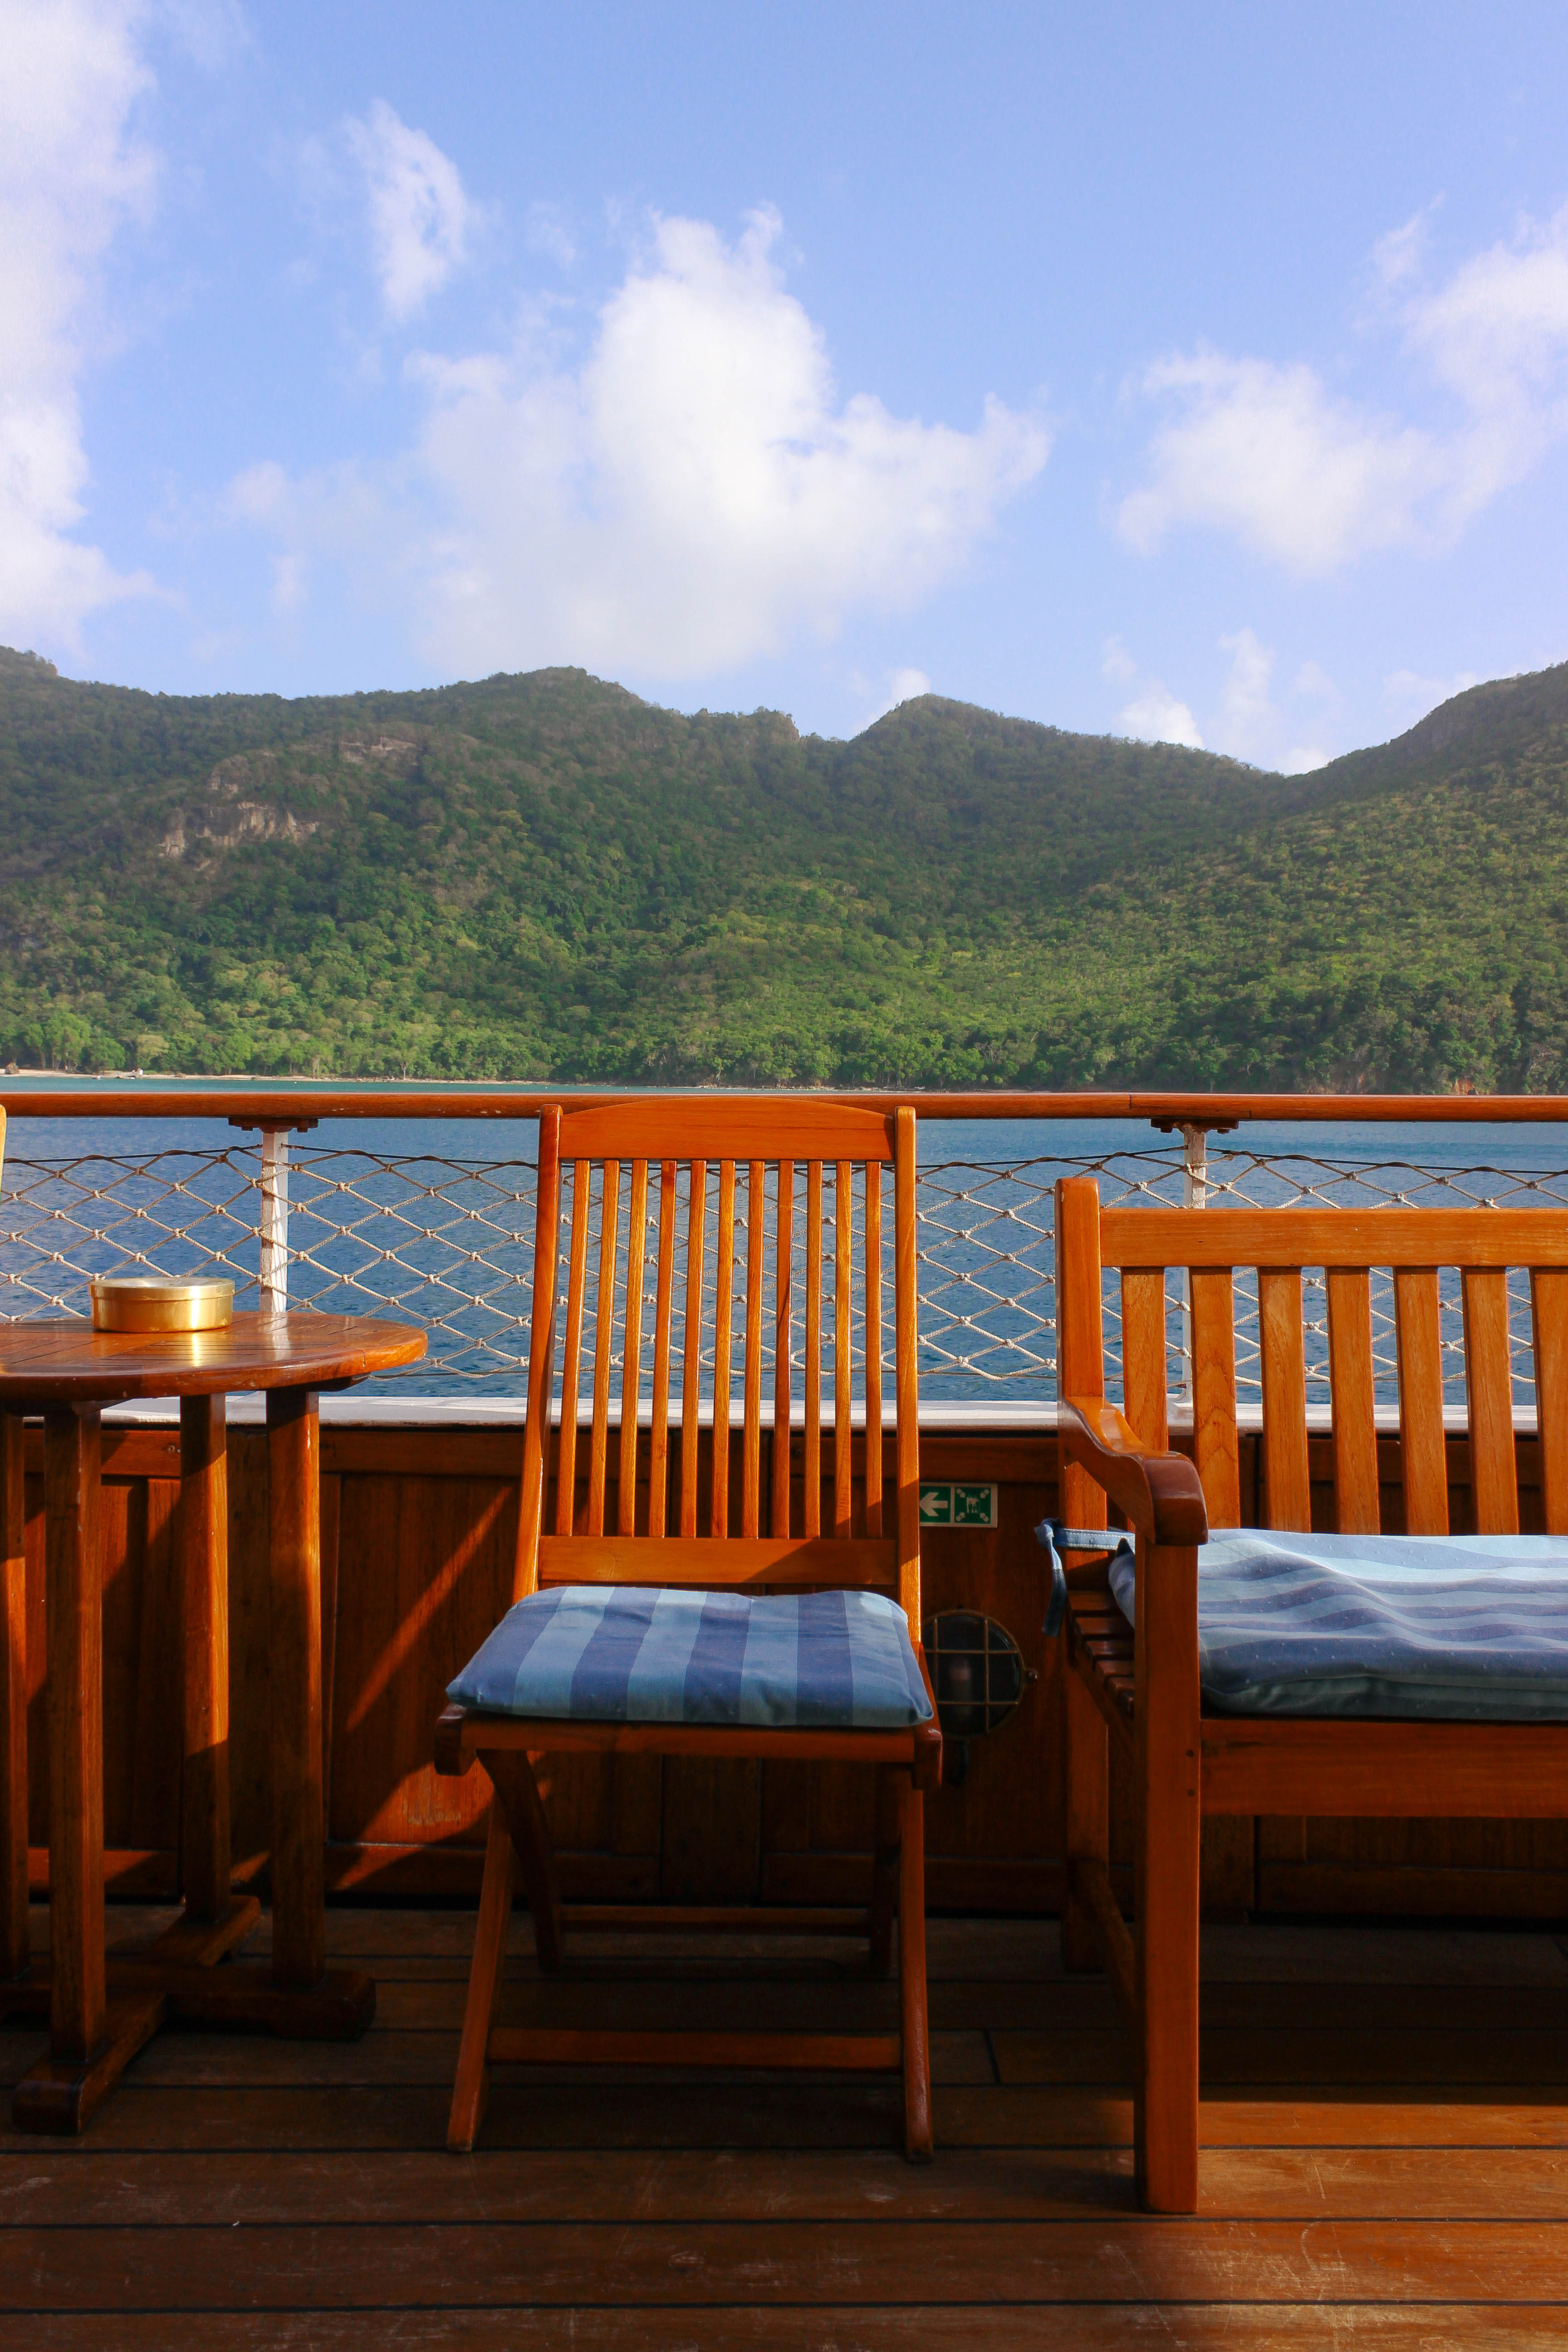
1150, 370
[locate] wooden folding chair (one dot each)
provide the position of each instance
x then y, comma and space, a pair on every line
763, 1538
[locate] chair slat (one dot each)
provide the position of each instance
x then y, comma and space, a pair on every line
1144, 1377
1357, 1508
541, 1354
873, 1230
784, 1260
1213, 1393
1488, 1387
691, 1373
659, 1436
1421, 1445
1289, 1489
631, 1358
906, 1311
752, 1444
796, 1561
723, 1343
843, 1248
812, 1451
603, 1319
572, 1359
1549, 1316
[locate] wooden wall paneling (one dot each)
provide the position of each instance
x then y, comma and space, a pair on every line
332, 1536
711, 1842
156, 1766
425, 1570
15, 1936
122, 1517
249, 1652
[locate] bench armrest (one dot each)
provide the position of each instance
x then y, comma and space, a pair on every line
1159, 1492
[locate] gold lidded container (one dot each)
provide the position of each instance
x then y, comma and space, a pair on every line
123, 1302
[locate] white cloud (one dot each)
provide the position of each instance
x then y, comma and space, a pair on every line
1410, 696
549, 233
420, 218
1266, 454
72, 173
1313, 679
690, 496
1303, 759
1399, 255
1155, 715
1248, 719
900, 686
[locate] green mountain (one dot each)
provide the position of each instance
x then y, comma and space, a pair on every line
541, 875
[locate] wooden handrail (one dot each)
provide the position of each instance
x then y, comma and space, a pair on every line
256, 1102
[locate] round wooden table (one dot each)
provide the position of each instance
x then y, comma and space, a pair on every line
101, 2013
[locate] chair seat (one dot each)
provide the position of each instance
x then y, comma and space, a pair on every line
638, 1654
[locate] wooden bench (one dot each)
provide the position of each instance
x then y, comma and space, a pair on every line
1142, 1690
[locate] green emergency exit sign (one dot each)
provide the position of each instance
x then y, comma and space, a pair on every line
944, 1505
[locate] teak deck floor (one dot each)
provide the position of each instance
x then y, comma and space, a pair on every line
1385, 2163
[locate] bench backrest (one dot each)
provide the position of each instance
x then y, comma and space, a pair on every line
672, 1210
1411, 1245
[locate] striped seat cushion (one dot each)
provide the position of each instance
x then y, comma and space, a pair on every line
629, 1653
1461, 1628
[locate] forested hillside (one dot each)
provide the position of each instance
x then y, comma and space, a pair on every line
541, 875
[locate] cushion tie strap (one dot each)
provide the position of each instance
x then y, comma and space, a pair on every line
1055, 1537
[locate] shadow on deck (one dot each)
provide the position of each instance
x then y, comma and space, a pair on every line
1385, 2162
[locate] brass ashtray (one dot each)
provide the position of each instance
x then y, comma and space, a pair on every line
138, 1303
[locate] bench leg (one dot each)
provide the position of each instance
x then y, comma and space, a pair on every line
1086, 1777
913, 1976
1165, 2112
471, 2089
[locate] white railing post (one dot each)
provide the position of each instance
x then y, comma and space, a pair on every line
275, 1220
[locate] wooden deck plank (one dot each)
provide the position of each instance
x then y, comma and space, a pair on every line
697, 2264
1264, 2328
425, 2187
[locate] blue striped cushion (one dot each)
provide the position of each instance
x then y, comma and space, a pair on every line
1437, 1627
629, 1653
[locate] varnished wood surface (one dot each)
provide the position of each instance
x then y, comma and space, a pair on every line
1337, 1236
43, 1364
1385, 2163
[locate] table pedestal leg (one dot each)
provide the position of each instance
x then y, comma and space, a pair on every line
204, 1543
13, 1702
299, 1826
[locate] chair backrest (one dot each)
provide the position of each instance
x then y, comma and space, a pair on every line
1410, 1247
657, 1164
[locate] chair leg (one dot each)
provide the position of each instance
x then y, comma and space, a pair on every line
885, 1870
518, 1793
913, 1976
471, 2089
1168, 1730
1086, 1775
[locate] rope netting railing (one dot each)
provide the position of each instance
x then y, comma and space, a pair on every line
448, 1242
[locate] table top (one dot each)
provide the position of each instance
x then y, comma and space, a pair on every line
51, 1363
